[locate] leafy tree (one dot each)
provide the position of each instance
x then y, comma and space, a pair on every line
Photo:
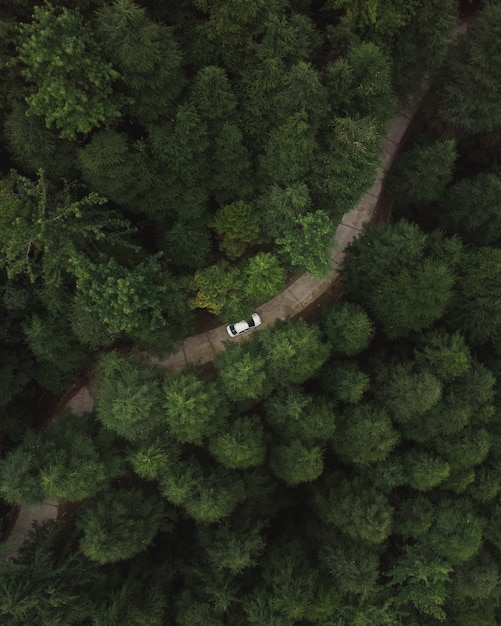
42, 583
146, 54
296, 462
365, 435
424, 470
20, 472
469, 70
129, 400
422, 173
78, 461
214, 285
345, 381
476, 309
307, 244
359, 83
236, 226
456, 534
154, 458
35, 147
119, 169
448, 356
130, 301
407, 393
212, 96
193, 408
242, 373
68, 81
281, 206
290, 151
231, 176
347, 164
293, 414
477, 578
471, 209
207, 494
389, 270
188, 245
421, 44
348, 328
357, 509
264, 277
420, 579
414, 517
293, 352
353, 565
232, 545
376, 21
240, 445
302, 90
120, 524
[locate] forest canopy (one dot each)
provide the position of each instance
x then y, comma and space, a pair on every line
167, 162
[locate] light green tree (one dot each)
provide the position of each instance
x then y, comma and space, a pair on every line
68, 80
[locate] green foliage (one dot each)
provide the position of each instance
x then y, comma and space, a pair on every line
471, 76
293, 352
281, 206
476, 309
126, 300
349, 329
128, 398
407, 393
422, 173
296, 462
345, 382
41, 585
360, 83
307, 244
69, 82
456, 534
20, 472
120, 524
354, 566
232, 545
264, 277
424, 470
420, 579
448, 356
237, 227
214, 285
421, 44
357, 509
365, 435
471, 208
293, 414
477, 578
146, 54
391, 271
242, 373
193, 408
154, 459
240, 444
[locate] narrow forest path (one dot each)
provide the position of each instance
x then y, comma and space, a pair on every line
202, 348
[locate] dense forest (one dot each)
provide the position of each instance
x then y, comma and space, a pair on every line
169, 163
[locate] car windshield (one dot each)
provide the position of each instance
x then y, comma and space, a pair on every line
251, 323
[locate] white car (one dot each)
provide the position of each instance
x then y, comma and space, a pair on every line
244, 326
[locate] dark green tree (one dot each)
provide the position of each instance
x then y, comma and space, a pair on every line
471, 76
47, 584
120, 524
365, 435
348, 328
344, 381
422, 173
240, 444
296, 462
